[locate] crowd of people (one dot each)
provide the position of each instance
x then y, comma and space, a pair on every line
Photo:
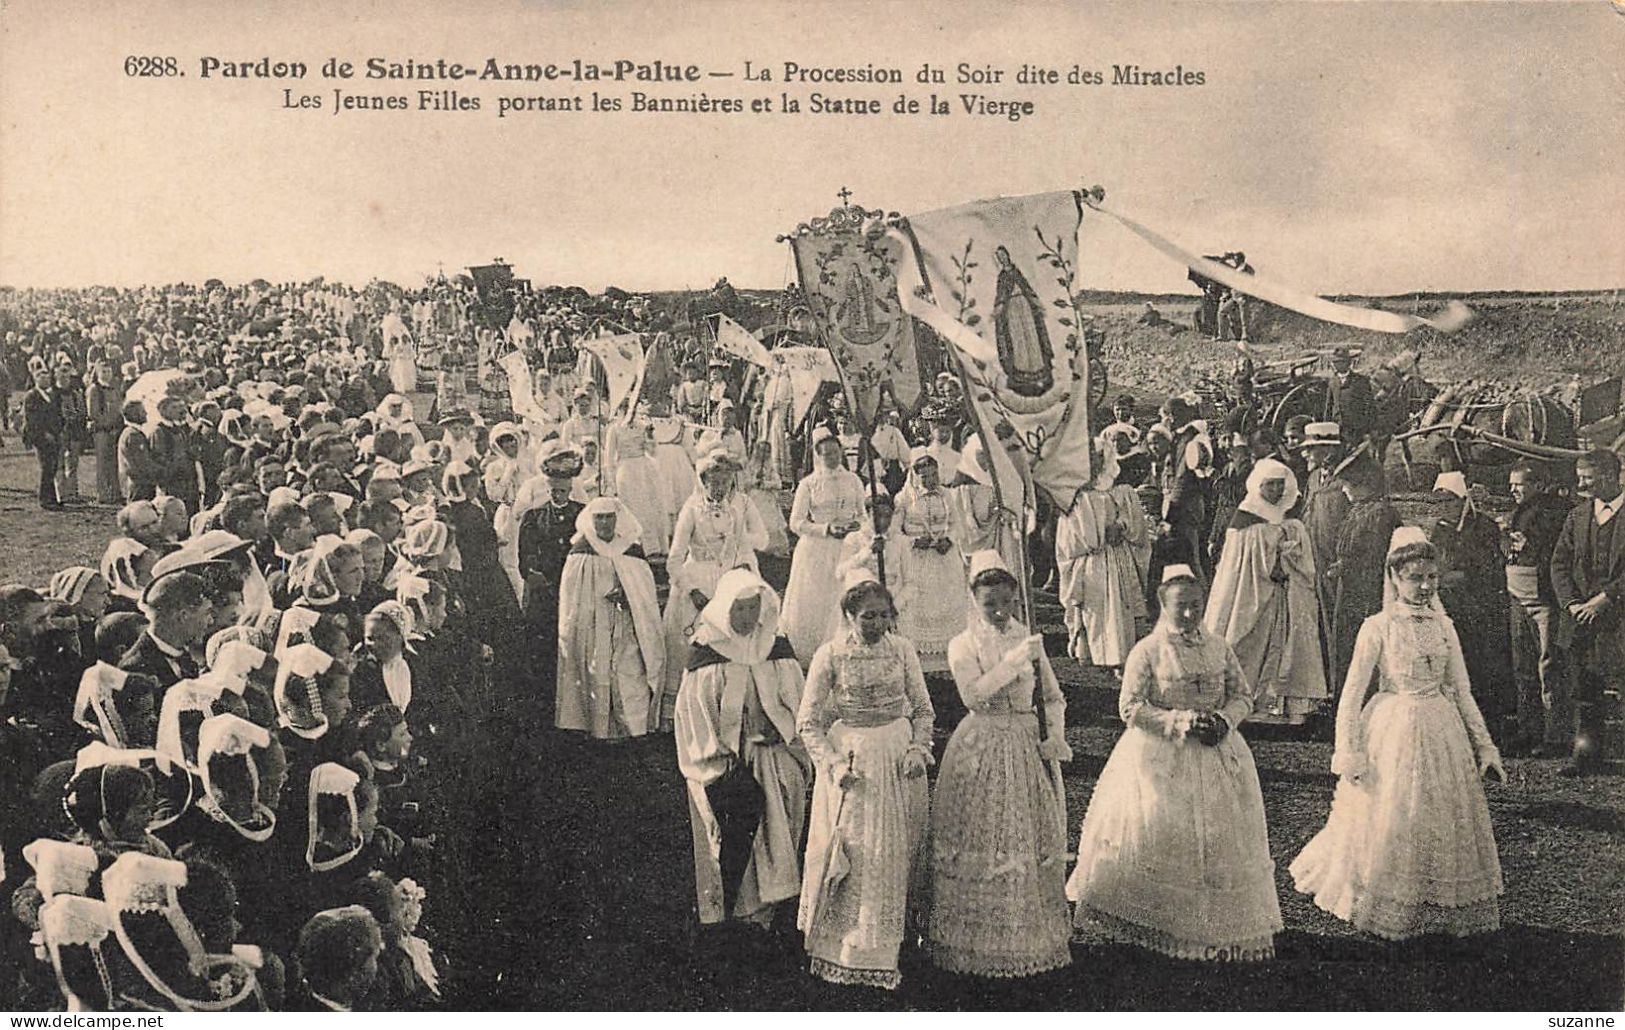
235, 751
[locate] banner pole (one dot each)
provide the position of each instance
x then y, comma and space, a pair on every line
856, 411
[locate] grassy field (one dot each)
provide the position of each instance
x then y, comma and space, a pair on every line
34, 543
585, 877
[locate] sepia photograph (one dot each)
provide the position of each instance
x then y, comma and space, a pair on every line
589, 506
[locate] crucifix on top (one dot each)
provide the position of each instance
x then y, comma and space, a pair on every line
845, 195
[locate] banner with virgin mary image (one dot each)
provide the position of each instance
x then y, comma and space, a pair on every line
847, 265
995, 280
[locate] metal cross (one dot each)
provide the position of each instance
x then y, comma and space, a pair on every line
845, 195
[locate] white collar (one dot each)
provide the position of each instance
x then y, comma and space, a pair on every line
1603, 511
167, 648
397, 677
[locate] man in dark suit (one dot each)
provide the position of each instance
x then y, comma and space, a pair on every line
1539, 640
42, 430
1588, 579
544, 544
1349, 400
174, 453
181, 614
1185, 496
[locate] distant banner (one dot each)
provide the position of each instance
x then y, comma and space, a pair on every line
995, 280
622, 360
735, 339
491, 284
1455, 315
849, 277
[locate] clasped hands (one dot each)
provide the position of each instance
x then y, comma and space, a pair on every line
1208, 728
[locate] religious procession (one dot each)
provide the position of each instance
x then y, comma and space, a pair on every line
398, 585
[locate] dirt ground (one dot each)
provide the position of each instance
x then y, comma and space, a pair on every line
585, 883
1538, 344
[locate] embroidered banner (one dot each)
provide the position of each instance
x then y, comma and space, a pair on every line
848, 273
491, 289
994, 279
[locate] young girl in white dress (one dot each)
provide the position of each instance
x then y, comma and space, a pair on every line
866, 722
1408, 849
1173, 855
717, 530
828, 506
998, 829
673, 455
638, 483
931, 596
1102, 548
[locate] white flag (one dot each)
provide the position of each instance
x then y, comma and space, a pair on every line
737, 340
803, 370
521, 392
622, 358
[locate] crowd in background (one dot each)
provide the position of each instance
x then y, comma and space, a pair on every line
237, 756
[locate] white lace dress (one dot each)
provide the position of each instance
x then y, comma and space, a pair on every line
1408, 848
998, 828
864, 708
676, 465
825, 497
933, 596
1174, 855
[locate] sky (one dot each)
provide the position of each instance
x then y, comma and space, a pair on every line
1360, 148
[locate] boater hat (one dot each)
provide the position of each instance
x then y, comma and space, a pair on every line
1321, 434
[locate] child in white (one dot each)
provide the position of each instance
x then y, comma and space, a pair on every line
1408, 849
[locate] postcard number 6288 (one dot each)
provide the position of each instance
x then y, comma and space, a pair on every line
150, 66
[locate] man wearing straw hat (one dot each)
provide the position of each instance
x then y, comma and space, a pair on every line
1349, 520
